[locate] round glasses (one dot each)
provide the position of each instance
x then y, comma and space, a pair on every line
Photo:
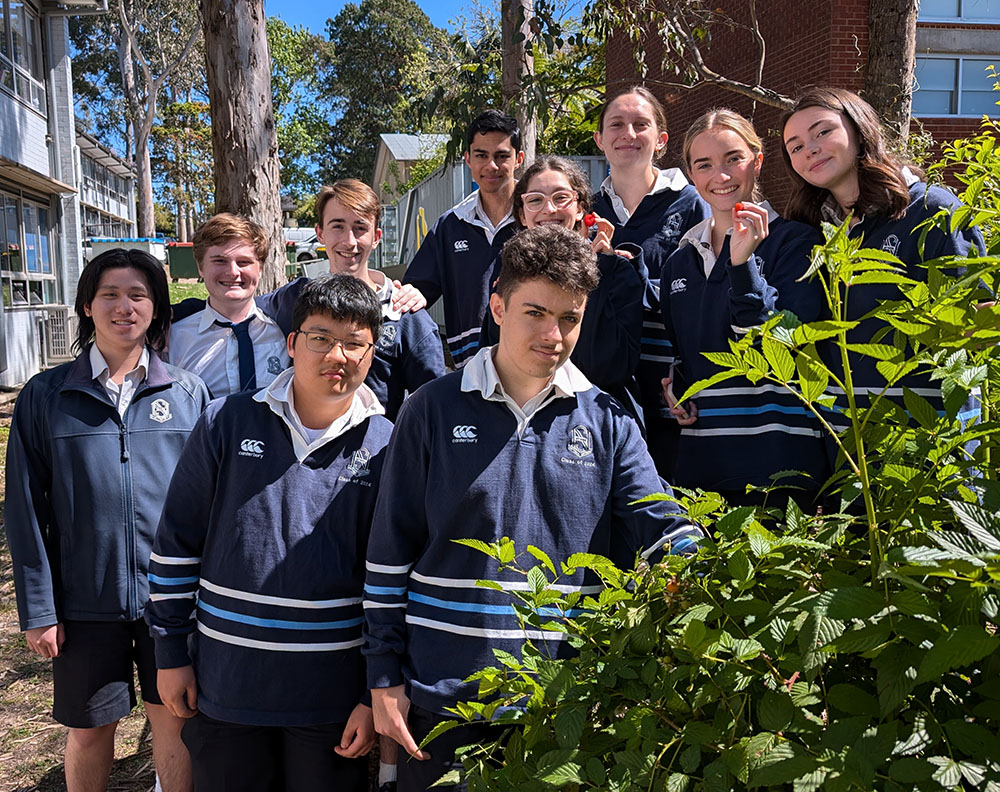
535, 201
321, 344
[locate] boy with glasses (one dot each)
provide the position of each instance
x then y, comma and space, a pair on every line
257, 567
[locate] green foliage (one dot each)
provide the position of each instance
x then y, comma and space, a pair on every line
564, 91
846, 651
182, 156
301, 117
375, 70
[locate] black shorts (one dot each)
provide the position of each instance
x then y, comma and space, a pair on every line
92, 676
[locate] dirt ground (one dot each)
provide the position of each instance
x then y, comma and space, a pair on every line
31, 742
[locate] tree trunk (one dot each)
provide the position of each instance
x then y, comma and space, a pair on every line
518, 62
244, 140
892, 36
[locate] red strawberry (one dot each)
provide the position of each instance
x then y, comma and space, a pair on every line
590, 220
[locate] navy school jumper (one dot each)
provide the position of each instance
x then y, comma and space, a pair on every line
744, 432
656, 225
900, 238
454, 262
607, 349
460, 466
258, 566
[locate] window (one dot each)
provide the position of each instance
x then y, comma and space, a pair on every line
26, 253
954, 86
971, 10
21, 70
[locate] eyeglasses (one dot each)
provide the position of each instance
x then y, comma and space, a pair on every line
321, 344
535, 201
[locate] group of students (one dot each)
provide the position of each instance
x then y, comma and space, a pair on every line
292, 550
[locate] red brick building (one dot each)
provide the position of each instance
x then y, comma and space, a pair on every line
826, 42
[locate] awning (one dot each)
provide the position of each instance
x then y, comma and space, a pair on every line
31, 179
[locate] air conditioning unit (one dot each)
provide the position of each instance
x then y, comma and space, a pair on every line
60, 331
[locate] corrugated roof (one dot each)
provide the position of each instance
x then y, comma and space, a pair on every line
412, 147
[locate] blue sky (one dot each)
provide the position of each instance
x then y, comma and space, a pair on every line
313, 15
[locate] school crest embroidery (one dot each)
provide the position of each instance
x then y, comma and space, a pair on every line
581, 442
274, 365
388, 337
358, 466
159, 411
672, 227
891, 244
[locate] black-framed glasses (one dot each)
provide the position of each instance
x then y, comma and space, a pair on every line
535, 201
321, 344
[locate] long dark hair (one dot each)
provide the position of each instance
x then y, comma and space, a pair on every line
156, 279
882, 188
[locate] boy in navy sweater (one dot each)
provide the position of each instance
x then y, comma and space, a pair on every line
256, 571
519, 444
455, 259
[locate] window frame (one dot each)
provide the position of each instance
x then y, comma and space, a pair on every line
960, 17
20, 281
961, 59
15, 80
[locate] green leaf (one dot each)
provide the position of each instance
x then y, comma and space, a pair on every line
862, 639
568, 724
440, 728
948, 773
910, 770
964, 645
779, 358
981, 523
595, 771
690, 758
543, 557
678, 782
739, 566
588, 561
775, 711
505, 550
897, 675
761, 540
920, 409
699, 733
694, 633
819, 331
877, 351
782, 765
477, 544
557, 767
972, 739
536, 579
849, 602
813, 375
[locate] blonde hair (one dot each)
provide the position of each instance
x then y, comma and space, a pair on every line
723, 118
352, 193
225, 227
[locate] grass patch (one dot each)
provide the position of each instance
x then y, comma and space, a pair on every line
181, 291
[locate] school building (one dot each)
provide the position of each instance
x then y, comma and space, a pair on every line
825, 42
57, 186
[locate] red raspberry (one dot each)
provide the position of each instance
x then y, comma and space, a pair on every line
590, 220
739, 207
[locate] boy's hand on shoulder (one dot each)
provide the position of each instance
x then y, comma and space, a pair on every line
359, 733
407, 298
391, 707
179, 691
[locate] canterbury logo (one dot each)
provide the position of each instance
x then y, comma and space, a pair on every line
253, 448
678, 285
461, 245
464, 434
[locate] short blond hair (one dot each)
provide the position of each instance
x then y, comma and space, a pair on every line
225, 227
352, 193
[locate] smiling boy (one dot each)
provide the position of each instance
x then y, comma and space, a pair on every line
455, 260
257, 565
231, 344
517, 444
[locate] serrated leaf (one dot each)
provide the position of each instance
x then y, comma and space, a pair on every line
862, 639
698, 733
779, 358
694, 633
782, 765
690, 758
981, 523
739, 565
478, 544
910, 770
948, 773
819, 331
775, 711
877, 351
557, 767
536, 579
440, 728
848, 602
761, 540
569, 723
505, 550
588, 561
897, 675
542, 556
920, 409
964, 645
678, 782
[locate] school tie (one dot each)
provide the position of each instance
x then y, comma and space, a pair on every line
244, 349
